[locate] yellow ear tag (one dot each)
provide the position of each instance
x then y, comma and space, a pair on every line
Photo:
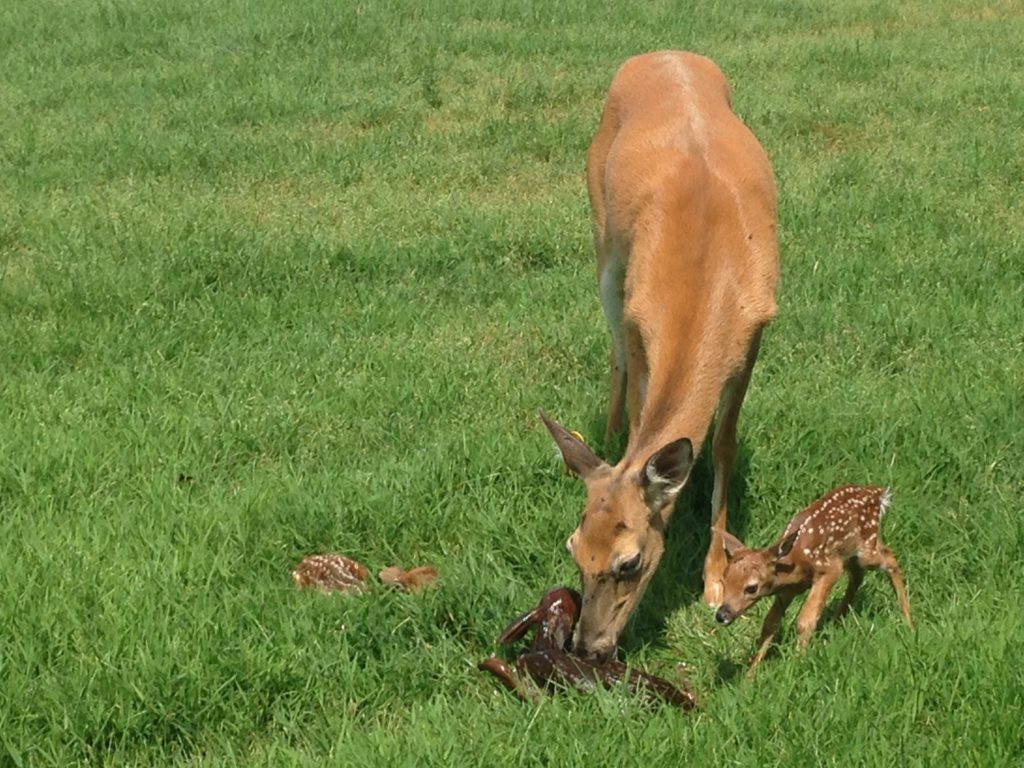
578, 436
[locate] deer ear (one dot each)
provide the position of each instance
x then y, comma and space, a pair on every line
732, 545
786, 545
665, 473
575, 453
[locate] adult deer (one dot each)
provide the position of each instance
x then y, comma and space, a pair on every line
683, 207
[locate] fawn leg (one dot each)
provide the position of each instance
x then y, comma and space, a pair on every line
770, 628
855, 574
807, 621
884, 559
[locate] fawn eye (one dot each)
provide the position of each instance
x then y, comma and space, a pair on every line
750, 589
631, 566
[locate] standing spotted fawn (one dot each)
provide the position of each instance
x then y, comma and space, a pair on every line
837, 532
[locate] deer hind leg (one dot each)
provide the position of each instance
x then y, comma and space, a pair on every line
723, 457
855, 576
883, 558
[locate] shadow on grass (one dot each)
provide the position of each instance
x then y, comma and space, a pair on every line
729, 670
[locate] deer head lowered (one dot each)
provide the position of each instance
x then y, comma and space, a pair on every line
621, 536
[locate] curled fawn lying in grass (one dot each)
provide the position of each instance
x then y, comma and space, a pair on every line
837, 532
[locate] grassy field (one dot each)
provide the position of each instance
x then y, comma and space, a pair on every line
281, 278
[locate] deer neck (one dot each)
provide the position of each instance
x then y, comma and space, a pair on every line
679, 403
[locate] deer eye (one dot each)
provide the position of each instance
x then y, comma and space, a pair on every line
629, 567
750, 589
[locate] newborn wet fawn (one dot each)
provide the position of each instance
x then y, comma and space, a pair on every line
837, 532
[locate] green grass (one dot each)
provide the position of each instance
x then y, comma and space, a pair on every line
328, 259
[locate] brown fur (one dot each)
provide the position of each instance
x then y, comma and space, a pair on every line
684, 219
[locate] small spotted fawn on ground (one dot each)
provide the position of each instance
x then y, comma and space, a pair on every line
837, 532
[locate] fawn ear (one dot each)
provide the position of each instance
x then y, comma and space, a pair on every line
665, 472
732, 545
786, 545
577, 456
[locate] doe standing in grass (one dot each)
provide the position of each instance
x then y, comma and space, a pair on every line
684, 219
838, 532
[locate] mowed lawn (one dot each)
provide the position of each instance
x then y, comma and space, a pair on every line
289, 277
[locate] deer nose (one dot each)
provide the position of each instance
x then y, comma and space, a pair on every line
724, 615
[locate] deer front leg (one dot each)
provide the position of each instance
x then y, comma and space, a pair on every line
617, 397
714, 568
637, 374
610, 287
770, 628
810, 614
723, 456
